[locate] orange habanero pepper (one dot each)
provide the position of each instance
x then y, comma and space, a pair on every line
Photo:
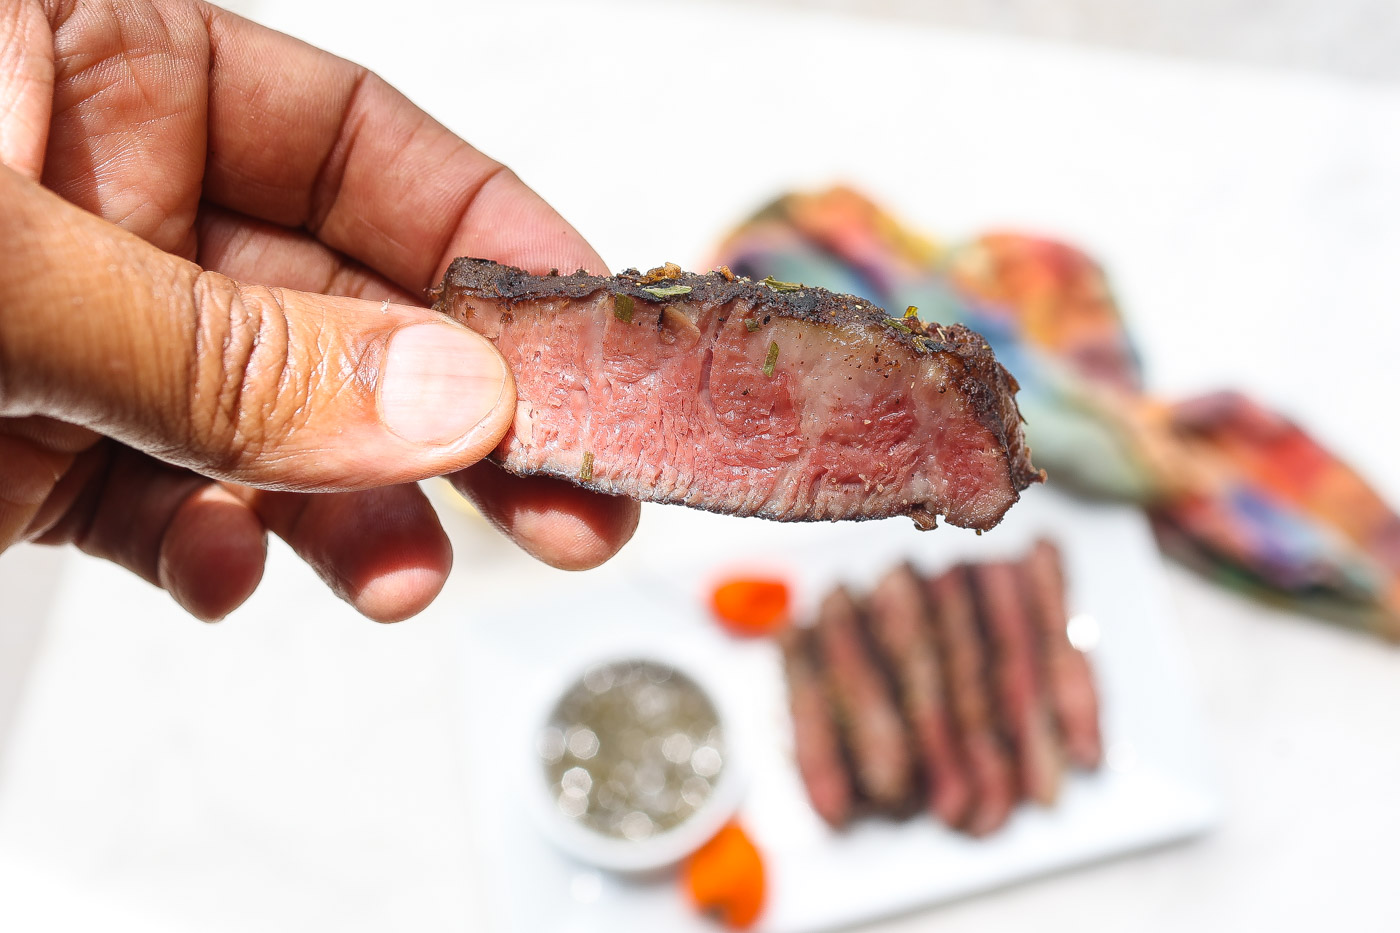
725, 878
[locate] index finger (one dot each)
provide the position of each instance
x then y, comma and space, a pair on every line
302, 138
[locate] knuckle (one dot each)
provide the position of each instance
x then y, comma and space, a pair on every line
245, 389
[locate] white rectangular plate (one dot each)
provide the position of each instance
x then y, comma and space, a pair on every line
1155, 787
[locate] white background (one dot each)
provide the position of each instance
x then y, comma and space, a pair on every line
298, 769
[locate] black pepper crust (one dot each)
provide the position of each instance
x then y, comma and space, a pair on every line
983, 380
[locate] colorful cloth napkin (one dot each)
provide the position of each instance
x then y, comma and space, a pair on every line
1233, 489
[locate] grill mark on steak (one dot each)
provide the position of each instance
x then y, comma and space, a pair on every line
1068, 678
1020, 694
869, 722
969, 692
860, 416
821, 760
900, 625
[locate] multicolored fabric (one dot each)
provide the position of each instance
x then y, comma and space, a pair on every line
1233, 489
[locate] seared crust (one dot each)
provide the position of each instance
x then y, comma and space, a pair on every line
982, 379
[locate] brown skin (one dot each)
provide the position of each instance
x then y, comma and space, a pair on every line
201, 220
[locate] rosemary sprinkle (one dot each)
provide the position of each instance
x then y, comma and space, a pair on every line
670, 291
783, 286
622, 308
772, 360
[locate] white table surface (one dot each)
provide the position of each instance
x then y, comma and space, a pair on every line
297, 768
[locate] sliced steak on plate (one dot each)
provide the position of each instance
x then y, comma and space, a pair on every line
1068, 678
1021, 698
865, 709
901, 628
994, 782
817, 744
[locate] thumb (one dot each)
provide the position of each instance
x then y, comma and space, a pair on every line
262, 386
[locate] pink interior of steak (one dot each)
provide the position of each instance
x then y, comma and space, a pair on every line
677, 404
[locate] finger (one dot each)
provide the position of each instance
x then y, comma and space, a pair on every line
264, 387
381, 550
29, 471
251, 250
166, 525
54, 435
213, 552
26, 86
56, 462
128, 503
302, 138
555, 521
127, 137
169, 98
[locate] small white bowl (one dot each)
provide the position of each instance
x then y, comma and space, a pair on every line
664, 848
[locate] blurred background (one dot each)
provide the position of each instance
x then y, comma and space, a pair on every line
1234, 166
1351, 38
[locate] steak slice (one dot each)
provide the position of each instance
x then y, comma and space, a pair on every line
965, 667
870, 722
1021, 699
1067, 675
817, 745
744, 397
899, 622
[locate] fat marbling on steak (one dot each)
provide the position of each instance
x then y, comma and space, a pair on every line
750, 398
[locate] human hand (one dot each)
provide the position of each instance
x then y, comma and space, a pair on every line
181, 191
